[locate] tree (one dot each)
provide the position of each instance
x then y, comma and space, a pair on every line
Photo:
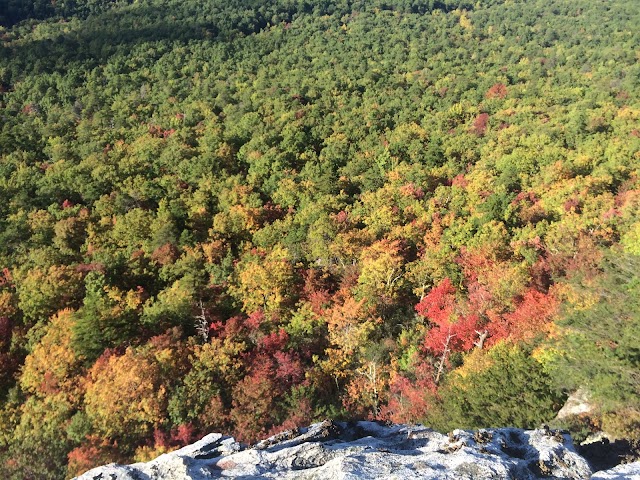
140, 404
264, 280
42, 292
381, 271
52, 367
512, 388
598, 342
450, 329
202, 396
39, 445
107, 319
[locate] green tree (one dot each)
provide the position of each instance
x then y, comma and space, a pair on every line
510, 389
108, 318
598, 342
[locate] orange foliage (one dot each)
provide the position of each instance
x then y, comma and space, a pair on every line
409, 400
95, 451
497, 90
531, 317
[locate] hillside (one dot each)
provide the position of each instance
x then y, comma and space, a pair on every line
245, 216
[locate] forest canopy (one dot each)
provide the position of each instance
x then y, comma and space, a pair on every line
245, 216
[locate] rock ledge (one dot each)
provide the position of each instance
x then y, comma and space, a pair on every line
368, 450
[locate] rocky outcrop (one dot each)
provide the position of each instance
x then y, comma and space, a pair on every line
368, 450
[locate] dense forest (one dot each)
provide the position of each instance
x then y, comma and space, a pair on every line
243, 216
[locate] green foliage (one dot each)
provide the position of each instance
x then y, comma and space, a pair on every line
38, 446
107, 318
198, 399
513, 389
599, 348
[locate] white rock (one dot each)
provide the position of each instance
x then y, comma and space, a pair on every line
629, 471
368, 450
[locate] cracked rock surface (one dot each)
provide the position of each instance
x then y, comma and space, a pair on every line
368, 450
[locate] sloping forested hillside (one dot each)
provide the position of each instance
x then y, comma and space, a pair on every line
242, 216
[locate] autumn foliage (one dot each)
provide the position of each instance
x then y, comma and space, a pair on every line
248, 216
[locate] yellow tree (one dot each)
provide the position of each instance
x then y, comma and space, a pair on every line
52, 366
347, 361
381, 270
126, 396
264, 281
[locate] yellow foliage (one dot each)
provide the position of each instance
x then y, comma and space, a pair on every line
125, 397
465, 22
225, 355
381, 269
43, 291
546, 356
213, 251
631, 240
350, 325
347, 246
7, 307
264, 283
146, 453
52, 366
474, 362
129, 300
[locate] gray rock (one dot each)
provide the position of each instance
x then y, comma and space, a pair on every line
629, 471
368, 450
578, 403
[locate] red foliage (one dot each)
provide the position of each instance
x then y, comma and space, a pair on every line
8, 363
31, 109
95, 451
254, 320
319, 301
409, 400
458, 336
166, 254
5, 278
582, 255
498, 90
90, 267
254, 402
611, 213
533, 312
272, 212
456, 332
480, 124
459, 181
573, 204
273, 342
183, 434
5, 332
341, 217
316, 290
438, 305
160, 438
410, 190
232, 328
289, 368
